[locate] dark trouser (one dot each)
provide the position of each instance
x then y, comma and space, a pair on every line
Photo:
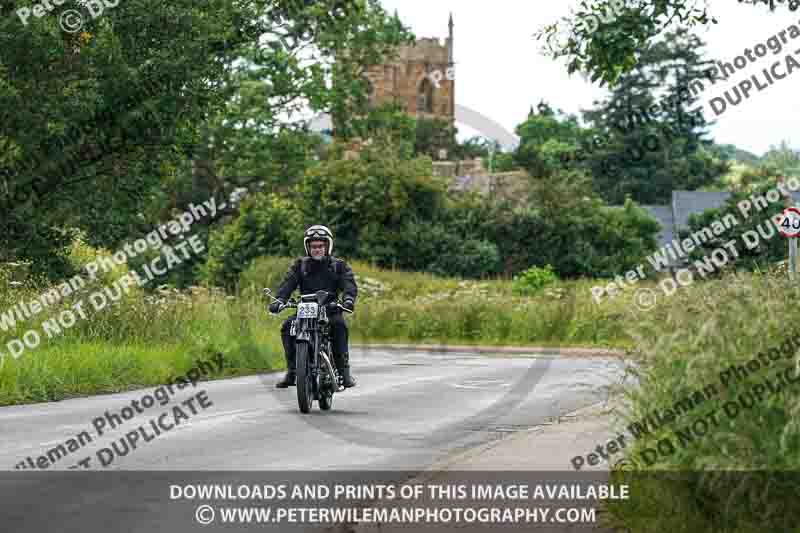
338, 331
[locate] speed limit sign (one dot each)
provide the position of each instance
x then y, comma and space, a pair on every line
789, 222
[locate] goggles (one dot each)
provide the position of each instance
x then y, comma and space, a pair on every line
317, 233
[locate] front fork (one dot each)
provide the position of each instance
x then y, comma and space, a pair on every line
326, 364
319, 361
329, 369
302, 334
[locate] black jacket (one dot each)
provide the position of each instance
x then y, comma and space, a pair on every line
321, 275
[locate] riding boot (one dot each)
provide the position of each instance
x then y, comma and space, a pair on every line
290, 379
343, 367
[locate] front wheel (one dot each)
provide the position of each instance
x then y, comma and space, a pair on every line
305, 392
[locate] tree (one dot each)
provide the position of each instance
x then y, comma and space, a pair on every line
92, 121
475, 146
389, 122
782, 159
583, 238
250, 146
432, 135
754, 178
544, 137
308, 66
646, 144
603, 39
267, 225
349, 91
731, 152
93, 124
367, 199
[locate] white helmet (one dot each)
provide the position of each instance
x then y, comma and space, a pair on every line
318, 233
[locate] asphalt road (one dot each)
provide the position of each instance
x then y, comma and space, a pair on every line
409, 410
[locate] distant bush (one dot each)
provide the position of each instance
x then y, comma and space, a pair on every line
470, 258
474, 238
367, 201
267, 225
267, 271
588, 240
533, 279
432, 246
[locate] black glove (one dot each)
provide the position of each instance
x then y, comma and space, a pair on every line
348, 304
275, 306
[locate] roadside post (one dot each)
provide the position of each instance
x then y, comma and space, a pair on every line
789, 226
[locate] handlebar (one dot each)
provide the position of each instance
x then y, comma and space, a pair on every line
336, 305
292, 303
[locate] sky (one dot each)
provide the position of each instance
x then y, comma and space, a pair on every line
501, 70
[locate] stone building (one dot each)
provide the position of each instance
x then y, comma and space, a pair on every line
417, 78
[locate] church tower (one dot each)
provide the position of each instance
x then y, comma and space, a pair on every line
419, 77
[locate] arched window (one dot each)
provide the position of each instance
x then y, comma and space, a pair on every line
425, 96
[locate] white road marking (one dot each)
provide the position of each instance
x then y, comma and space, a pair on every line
196, 420
481, 384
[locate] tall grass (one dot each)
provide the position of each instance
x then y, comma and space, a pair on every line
136, 343
681, 347
140, 340
395, 306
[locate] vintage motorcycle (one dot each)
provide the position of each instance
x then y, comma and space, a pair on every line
317, 378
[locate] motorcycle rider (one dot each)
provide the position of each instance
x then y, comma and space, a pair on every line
319, 270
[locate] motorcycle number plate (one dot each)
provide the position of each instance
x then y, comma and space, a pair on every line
307, 310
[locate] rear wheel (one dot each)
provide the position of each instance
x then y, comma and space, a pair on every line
305, 392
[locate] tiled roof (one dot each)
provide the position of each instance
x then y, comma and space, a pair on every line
675, 216
685, 203
663, 214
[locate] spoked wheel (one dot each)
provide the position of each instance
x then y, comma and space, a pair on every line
305, 391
